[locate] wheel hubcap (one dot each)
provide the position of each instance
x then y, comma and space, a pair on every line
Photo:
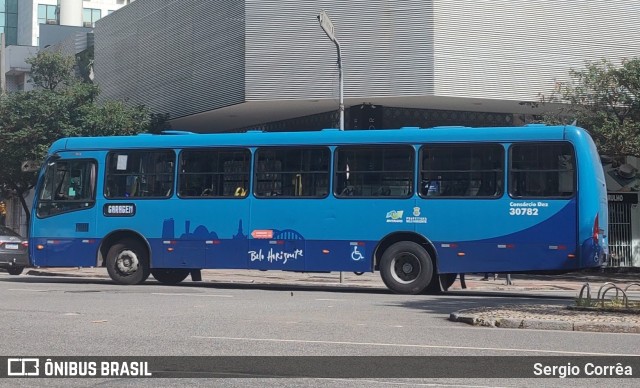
127, 262
405, 268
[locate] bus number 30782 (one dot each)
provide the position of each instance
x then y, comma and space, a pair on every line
517, 211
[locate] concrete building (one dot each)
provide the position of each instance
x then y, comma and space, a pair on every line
227, 65
24, 22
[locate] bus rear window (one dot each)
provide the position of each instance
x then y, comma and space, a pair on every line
542, 170
377, 171
465, 170
140, 174
214, 173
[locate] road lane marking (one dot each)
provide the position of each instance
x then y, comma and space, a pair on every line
171, 294
382, 344
26, 289
332, 300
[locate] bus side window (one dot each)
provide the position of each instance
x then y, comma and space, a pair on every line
542, 170
565, 176
292, 172
462, 170
430, 188
374, 171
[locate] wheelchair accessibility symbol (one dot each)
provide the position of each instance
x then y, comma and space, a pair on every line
356, 255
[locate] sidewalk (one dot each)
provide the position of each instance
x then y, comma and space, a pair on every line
541, 317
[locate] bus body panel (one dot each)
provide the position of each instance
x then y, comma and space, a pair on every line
187, 234
334, 234
510, 242
593, 203
339, 234
396, 136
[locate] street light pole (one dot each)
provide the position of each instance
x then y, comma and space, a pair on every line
327, 27
341, 105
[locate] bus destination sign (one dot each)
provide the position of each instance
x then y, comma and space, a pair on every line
119, 210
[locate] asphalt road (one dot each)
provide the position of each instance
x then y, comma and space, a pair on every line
42, 316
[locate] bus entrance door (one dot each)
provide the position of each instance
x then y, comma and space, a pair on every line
66, 212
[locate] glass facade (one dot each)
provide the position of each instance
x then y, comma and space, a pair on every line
90, 16
9, 21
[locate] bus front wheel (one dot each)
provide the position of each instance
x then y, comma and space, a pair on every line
170, 276
406, 268
128, 262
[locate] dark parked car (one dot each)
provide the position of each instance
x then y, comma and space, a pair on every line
14, 251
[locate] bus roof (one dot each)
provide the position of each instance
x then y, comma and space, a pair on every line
531, 132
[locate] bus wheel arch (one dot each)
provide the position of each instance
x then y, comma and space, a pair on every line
127, 257
393, 238
407, 263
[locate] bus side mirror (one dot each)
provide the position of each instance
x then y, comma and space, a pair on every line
30, 166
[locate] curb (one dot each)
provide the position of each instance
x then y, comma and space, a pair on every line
35, 272
539, 324
274, 280
246, 281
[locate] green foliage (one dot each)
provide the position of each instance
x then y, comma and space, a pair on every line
50, 69
604, 99
61, 106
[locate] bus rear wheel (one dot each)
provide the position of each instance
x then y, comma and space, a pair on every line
447, 280
406, 268
128, 262
170, 276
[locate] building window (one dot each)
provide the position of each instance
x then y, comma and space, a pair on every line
214, 173
9, 21
376, 171
12, 5
90, 16
47, 14
469, 170
12, 36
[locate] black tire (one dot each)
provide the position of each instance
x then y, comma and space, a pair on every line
15, 270
447, 280
128, 262
435, 285
170, 276
406, 268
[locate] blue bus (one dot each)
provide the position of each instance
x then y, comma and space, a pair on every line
419, 205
